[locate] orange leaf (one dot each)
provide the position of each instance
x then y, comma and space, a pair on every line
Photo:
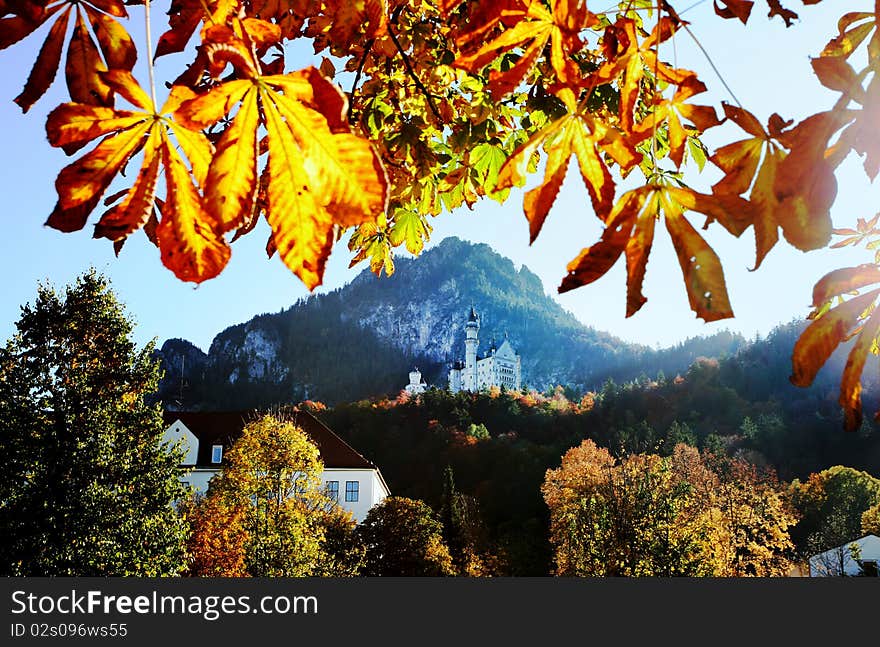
85, 180
836, 74
82, 68
71, 125
638, 249
302, 230
703, 275
537, 201
46, 65
209, 108
188, 240
117, 46
232, 176
851, 382
132, 213
823, 335
594, 261
847, 40
740, 9
844, 280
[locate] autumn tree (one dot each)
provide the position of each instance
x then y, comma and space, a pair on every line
403, 537
86, 486
266, 514
871, 520
832, 504
645, 515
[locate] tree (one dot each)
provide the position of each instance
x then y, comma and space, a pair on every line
86, 488
832, 503
266, 514
403, 537
871, 520
451, 102
464, 532
646, 515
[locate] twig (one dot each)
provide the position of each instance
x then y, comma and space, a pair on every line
409, 67
357, 77
150, 54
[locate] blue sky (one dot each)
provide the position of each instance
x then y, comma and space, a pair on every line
765, 64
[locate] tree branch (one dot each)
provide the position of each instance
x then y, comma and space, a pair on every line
357, 78
408, 65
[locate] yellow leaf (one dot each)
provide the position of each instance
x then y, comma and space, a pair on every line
231, 185
188, 239
302, 228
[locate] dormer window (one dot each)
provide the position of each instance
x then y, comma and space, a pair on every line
216, 454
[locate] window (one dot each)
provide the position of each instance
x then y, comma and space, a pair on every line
333, 490
216, 453
351, 491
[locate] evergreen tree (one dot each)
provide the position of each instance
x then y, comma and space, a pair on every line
86, 488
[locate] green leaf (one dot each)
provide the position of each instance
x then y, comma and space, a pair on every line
411, 228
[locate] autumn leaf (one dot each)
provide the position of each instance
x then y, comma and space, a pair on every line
320, 174
627, 58
86, 59
853, 29
578, 134
630, 229
190, 240
370, 241
676, 111
740, 9
832, 326
410, 228
792, 190
559, 26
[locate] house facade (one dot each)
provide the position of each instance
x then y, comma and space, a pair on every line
205, 437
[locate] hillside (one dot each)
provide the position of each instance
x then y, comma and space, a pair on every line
361, 340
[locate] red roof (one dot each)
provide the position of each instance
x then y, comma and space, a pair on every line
224, 427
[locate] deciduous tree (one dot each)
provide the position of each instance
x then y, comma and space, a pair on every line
403, 537
646, 515
266, 513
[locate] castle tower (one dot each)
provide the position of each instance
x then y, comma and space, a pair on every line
416, 385
472, 330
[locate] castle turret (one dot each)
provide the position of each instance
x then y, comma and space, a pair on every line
472, 330
416, 385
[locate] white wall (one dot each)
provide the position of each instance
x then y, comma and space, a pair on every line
371, 488
178, 433
198, 479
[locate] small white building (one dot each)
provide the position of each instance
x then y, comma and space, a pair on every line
858, 557
500, 366
416, 383
355, 482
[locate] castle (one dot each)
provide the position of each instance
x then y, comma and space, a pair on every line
499, 367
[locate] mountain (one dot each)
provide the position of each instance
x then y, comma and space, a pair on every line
362, 339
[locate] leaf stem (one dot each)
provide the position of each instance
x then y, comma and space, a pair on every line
150, 54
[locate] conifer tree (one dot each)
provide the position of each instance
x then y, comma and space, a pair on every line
86, 488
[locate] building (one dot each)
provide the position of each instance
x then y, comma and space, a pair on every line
858, 557
499, 367
355, 482
416, 383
